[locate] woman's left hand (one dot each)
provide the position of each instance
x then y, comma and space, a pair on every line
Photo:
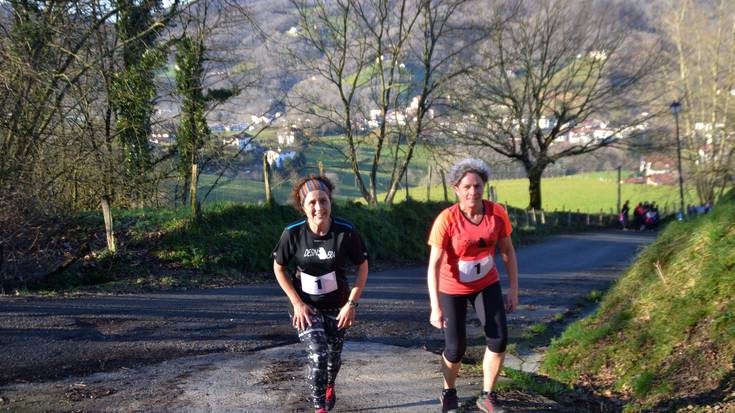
511, 300
346, 317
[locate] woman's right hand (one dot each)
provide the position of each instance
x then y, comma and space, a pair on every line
437, 318
302, 315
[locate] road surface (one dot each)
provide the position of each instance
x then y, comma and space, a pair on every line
233, 348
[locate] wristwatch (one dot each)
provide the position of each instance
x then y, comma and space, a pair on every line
353, 303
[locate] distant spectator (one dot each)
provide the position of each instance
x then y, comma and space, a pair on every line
638, 216
656, 216
624, 215
649, 219
691, 210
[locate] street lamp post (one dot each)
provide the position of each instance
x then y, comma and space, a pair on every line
675, 110
619, 177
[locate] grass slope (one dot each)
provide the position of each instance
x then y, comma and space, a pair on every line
233, 242
664, 335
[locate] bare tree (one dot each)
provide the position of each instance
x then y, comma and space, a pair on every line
380, 60
59, 130
442, 50
388, 27
703, 35
40, 51
331, 46
547, 69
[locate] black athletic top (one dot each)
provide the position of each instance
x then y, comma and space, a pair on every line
320, 261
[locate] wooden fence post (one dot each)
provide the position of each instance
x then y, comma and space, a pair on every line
428, 185
107, 214
444, 184
195, 207
543, 218
267, 181
533, 216
405, 176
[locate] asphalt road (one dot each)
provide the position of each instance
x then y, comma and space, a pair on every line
48, 339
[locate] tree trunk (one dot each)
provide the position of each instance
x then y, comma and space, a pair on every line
107, 214
401, 173
534, 188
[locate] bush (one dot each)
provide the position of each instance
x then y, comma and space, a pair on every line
242, 236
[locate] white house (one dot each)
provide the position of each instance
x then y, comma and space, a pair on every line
277, 158
258, 120
286, 137
162, 139
395, 118
240, 142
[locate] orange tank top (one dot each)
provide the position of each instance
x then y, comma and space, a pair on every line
468, 265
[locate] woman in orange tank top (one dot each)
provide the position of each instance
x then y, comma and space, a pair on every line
462, 269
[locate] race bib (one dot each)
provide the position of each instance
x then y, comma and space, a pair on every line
318, 285
470, 271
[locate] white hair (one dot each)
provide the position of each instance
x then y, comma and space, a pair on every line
468, 165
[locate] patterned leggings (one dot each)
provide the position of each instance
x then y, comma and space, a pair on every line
324, 347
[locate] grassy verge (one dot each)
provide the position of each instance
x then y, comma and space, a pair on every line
165, 248
664, 335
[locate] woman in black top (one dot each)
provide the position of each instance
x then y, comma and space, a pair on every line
318, 249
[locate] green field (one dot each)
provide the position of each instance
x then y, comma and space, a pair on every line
589, 192
244, 189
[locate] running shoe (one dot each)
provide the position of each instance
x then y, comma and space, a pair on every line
322, 410
331, 398
449, 401
488, 403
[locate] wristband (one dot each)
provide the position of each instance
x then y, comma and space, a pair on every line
352, 303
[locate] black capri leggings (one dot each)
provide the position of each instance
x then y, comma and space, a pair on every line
324, 347
490, 309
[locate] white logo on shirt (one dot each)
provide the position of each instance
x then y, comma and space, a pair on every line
320, 252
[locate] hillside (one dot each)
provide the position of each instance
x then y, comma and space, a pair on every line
663, 337
241, 41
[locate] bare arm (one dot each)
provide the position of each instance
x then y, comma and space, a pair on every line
432, 279
301, 310
346, 315
508, 254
